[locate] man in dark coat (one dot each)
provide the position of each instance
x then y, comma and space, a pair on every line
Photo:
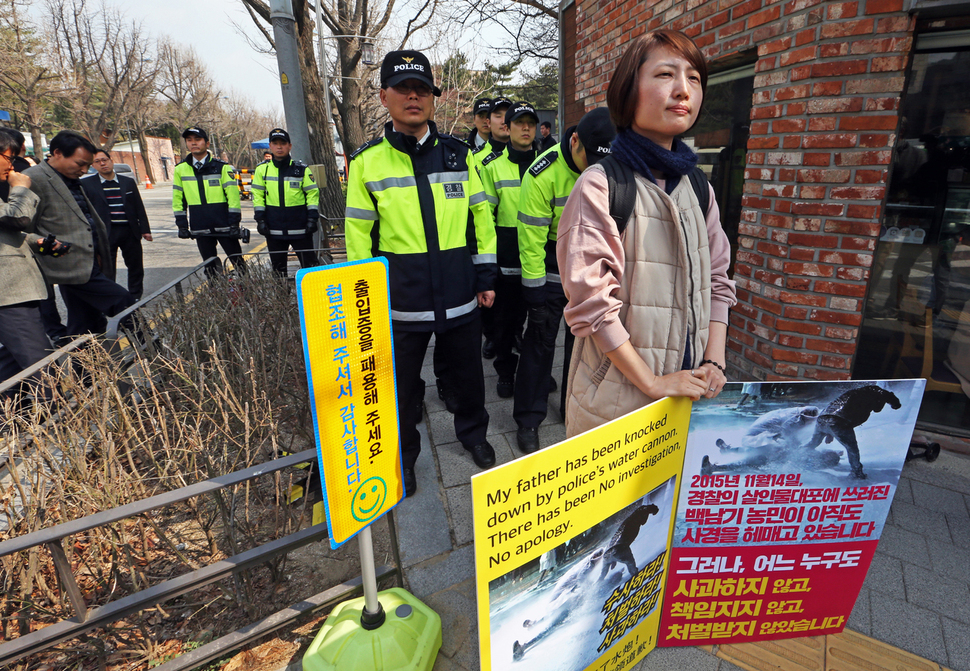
83, 275
118, 203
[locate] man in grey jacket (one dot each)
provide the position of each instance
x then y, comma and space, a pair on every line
85, 275
21, 331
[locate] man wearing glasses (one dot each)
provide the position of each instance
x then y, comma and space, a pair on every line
413, 199
21, 330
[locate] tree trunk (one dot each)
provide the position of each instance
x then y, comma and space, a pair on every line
332, 201
143, 147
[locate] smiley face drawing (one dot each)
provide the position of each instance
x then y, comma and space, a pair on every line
368, 499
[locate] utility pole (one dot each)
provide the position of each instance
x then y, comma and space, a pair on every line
291, 81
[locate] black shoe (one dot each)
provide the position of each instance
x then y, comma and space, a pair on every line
488, 349
528, 439
552, 384
483, 455
505, 387
410, 482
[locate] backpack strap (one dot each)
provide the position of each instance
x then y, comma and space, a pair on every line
622, 189
701, 187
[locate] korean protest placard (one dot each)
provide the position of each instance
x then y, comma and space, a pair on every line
571, 545
785, 490
345, 314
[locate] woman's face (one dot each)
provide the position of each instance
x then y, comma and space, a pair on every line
669, 97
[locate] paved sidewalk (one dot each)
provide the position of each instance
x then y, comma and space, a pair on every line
916, 597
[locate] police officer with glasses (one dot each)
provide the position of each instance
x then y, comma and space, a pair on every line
414, 197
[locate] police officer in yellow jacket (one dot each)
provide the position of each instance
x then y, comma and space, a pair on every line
205, 199
414, 197
285, 200
543, 194
501, 175
498, 138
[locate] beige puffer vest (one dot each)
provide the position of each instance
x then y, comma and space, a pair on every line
665, 291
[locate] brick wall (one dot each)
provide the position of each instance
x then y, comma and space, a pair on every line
823, 121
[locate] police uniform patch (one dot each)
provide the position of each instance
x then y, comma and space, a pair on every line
491, 157
454, 190
367, 145
543, 162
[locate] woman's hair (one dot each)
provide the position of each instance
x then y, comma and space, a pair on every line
621, 95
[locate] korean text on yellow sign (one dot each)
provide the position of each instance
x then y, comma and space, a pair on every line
345, 315
572, 545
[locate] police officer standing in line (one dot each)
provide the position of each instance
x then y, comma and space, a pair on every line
442, 266
501, 175
497, 141
285, 200
205, 199
479, 136
545, 188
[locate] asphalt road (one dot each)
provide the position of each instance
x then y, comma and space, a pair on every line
166, 257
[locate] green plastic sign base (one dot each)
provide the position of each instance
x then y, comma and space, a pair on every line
408, 640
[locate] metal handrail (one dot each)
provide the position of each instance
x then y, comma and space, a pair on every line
61, 531
86, 619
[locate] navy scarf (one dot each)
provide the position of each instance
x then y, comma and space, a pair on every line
644, 156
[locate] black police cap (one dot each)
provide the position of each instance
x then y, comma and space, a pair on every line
597, 132
482, 105
195, 130
399, 66
501, 101
279, 134
520, 109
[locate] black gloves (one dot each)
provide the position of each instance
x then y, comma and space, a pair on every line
262, 228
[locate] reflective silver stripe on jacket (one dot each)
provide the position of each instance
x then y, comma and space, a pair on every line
225, 184
491, 199
270, 178
177, 187
511, 271
259, 208
477, 198
506, 183
428, 315
224, 229
311, 187
235, 209
442, 177
553, 277
280, 232
258, 187
560, 202
484, 258
533, 281
189, 178
390, 183
535, 221
361, 213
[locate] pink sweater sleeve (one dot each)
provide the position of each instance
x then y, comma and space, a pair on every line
590, 256
723, 292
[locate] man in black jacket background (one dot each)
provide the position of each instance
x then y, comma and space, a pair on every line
118, 203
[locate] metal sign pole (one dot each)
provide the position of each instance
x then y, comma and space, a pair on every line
373, 614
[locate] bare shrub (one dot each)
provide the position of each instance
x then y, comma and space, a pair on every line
226, 390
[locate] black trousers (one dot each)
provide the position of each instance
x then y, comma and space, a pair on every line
129, 242
22, 336
280, 247
88, 303
230, 245
460, 351
509, 316
531, 400
51, 318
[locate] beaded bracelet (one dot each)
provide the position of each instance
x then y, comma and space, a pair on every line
713, 363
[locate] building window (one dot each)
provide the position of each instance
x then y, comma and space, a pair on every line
917, 315
720, 139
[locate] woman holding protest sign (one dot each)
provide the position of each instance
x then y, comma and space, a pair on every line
641, 251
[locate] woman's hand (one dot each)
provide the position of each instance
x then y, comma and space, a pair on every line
715, 379
690, 383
